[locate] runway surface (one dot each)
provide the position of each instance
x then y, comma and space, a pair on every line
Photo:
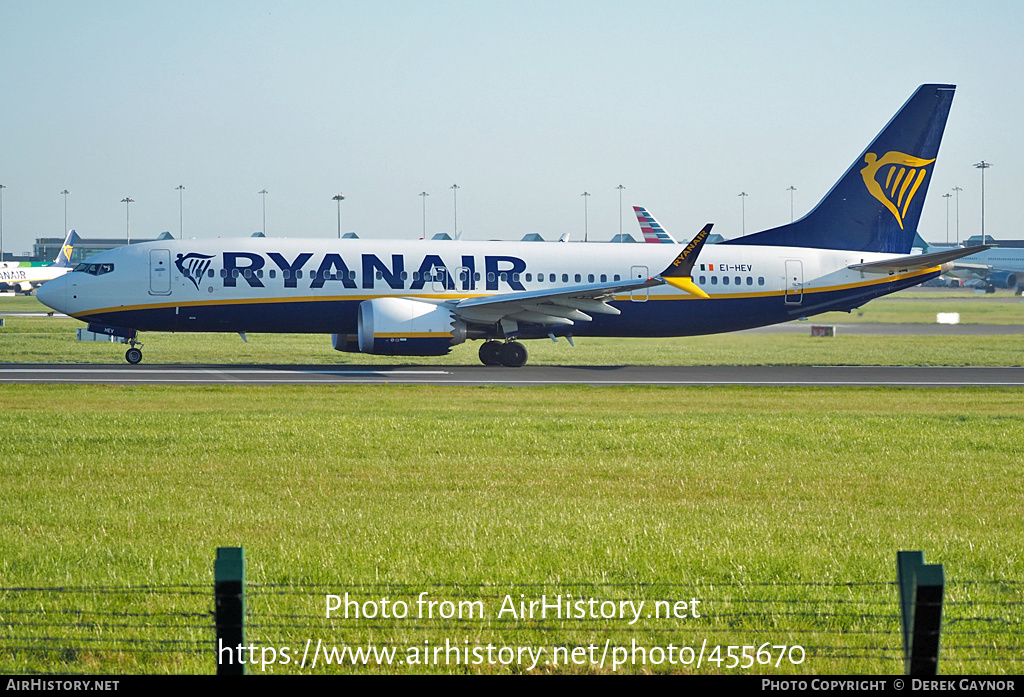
822, 376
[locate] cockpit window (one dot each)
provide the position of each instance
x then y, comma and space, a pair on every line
94, 269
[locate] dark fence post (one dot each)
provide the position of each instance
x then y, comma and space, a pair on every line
921, 588
229, 604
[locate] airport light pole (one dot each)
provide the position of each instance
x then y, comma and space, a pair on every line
2, 187
263, 193
586, 223
455, 208
957, 189
947, 197
65, 195
423, 197
791, 189
127, 219
983, 166
621, 188
743, 209
339, 198
181, 218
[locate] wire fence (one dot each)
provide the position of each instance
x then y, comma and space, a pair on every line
776, 627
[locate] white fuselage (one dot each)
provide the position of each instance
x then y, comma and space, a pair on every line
315, 285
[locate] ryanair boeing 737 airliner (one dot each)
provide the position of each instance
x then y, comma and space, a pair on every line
420, 298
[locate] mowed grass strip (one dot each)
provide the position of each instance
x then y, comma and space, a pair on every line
728, 493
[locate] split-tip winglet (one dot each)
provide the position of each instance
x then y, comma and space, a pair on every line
679, 272
686, 284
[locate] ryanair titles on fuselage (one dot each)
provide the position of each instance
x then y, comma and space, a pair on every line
13, 275
254, 267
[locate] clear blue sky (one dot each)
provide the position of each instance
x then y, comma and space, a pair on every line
524, 104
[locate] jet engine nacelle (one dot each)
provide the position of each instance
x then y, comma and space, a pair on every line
402, 327
1003, 279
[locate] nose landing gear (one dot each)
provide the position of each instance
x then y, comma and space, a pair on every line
134, 354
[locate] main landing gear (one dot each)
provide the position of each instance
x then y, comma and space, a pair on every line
510, 354
134, 354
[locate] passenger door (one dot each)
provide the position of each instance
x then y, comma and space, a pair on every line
642, 294
794, 282
159, 272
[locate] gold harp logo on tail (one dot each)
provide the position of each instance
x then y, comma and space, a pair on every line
903, 175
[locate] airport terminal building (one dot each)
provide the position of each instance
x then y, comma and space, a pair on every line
47, 248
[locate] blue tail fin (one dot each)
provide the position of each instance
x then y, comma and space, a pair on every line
64, 255
876, 205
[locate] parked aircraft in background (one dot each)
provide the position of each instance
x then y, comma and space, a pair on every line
421, 297
22, 279
997, 267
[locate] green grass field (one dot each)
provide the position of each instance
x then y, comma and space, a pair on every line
782, 509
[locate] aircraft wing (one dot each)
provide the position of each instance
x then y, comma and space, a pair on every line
918, 261
558, 306
566, 306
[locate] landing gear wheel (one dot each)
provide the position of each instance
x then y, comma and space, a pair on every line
490, 353
513, 355
133, 355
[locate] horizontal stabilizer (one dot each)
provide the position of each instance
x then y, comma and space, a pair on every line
918, 261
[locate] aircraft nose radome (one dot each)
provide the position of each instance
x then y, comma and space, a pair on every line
52, 293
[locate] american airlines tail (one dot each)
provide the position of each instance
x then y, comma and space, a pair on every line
876, 205
652, 230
